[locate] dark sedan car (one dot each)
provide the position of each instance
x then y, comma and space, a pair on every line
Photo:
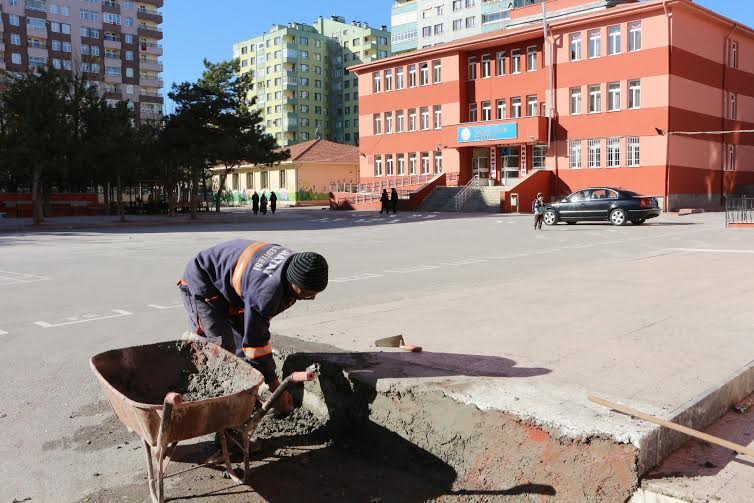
616, 206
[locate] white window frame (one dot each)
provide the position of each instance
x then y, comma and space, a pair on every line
486, 111
730, 158
437, 162
515, 61
437, 71
633, 149
574, 154
424, 74
574, 47
400, 121
412, 161
538, 156
516, 107
424, 118
425, 163
388, 80
438, 116
575, 102
500, 63
732, 109
532, 105
412, 119
594, 153
594, 38
376, 82
376, 124
377, 165
733, 60
634, 36
389, 165
411, 75
613, 40
613, 152
531, 58
471, 67
613, 96
388, 122
400, 80
595, 99
486, 66
401, 164
634, 94
473, 113
501, 109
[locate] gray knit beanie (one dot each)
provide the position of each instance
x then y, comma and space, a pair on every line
309, 271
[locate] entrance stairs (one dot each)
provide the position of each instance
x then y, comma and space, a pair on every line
441, 199
484, 199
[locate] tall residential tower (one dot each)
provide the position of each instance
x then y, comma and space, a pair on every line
116, 44
300, 78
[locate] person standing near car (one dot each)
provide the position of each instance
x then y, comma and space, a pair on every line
538, 208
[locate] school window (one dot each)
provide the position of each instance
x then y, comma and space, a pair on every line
486, 66
388, 80
424, 74
470, 22
486, 111
595, 43
595, 153
400, 121
412, 119
575, 100
733, 59
633, 150
427, 31
472, 112
595, 99
613, 96
425, 163
424, 117
399, 78
438, 29
613, 152
730, 158
515, 108
538, 153
500, 63
457, 5
436, 72
377, 165
634, 36
389, 165
438, 162
531, 106
282, 179
438, 116
634, 93
401, 164
411, 75
411, 164
472, 68
531, 59
388, 122
575, 46
574, 154
613, 40
376, 82
377, 124
457, 24
516, 61
502, 110
732, 106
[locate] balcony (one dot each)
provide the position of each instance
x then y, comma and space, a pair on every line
151, 97
112, 44
150, 81
518, 131
36, 5
151, 48
151, 15
37, 52
111, 7
156, 3
146, 31
154, 65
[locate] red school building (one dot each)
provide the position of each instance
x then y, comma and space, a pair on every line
625, 88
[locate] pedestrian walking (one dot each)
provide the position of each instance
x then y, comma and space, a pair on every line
273, 202
255, 202
538, 208
263, 204
394, 199
384, 199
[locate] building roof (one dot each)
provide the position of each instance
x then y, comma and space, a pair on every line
323, 151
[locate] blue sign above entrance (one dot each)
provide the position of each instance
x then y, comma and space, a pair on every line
506, 131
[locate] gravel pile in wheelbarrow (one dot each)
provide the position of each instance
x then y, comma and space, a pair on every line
213, 377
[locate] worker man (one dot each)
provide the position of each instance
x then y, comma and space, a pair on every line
232, 290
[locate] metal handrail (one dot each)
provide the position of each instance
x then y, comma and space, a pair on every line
465, 193
739, 210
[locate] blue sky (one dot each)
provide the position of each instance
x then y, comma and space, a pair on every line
194, 31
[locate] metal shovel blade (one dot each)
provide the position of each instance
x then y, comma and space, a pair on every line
396, 341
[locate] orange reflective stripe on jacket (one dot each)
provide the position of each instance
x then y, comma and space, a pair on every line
257, 352
243, 263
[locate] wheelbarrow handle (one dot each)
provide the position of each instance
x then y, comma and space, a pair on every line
304, 376
295, 377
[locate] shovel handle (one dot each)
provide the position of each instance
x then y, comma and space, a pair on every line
411, 348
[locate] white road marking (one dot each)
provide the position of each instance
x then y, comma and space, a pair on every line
87, 318
408, 270
14, 278
710, 250
464, 262
357, 277
157, 306
3, 332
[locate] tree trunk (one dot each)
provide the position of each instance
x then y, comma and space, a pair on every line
171, 199
121, 209
219, 194
194, 192
36, 200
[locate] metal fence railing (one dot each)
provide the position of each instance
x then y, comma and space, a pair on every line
739, 210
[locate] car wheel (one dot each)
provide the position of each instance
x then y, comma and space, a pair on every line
639, 222
550, 218
618, 217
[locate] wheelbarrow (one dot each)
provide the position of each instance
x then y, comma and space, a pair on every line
141, 385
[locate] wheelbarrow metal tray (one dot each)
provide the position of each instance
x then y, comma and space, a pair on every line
135, 381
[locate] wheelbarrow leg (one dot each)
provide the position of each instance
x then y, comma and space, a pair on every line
226, 458
150, 473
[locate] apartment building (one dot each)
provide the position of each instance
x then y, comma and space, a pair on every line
116, 44
418, 24
301, 81
616, 107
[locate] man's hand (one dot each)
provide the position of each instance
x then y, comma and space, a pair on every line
284, 404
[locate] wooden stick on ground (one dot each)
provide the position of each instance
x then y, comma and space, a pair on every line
673, 426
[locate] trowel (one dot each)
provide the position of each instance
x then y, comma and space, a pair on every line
396, 341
